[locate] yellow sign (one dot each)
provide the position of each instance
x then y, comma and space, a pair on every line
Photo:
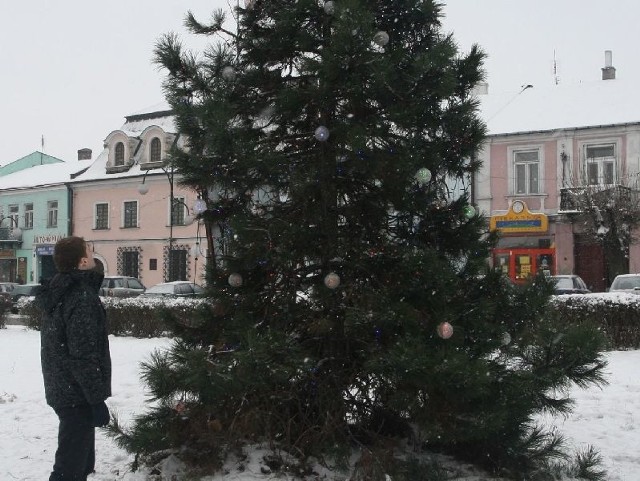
519, 219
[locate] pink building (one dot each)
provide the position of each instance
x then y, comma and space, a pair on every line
122, 204
545, 142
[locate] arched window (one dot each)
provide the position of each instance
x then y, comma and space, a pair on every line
154, 155
119, 158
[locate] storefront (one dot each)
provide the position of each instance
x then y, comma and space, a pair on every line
525, 247
45, 266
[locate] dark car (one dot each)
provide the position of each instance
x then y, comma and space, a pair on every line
22, 290
570, 284
121, 286
175, 289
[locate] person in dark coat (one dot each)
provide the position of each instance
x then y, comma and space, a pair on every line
76, 364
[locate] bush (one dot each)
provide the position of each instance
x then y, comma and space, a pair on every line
136, 316
617, 315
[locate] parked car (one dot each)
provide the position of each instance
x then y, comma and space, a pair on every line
570, 284
6, 288
121, 286
626, 283
22, 290
175, 289
5, 294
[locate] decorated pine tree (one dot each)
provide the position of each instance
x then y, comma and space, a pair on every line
333, 144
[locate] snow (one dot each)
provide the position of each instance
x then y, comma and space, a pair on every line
43, 175
606, 418
560, 107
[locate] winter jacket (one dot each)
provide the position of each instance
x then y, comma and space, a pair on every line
74, 351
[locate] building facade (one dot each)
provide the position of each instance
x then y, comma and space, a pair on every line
130, 206
34, 214
543, 145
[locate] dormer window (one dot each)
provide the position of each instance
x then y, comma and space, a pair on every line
119, 154
155, 150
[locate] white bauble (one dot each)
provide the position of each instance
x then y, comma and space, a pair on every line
321, 133
381, 38
235, 280
445, 330
332, 280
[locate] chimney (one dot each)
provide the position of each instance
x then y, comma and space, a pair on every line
84, 154
609, 71
481, 88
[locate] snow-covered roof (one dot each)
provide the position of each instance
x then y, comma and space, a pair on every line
98, 170
159, 107
134, 126
547, 108
43, 175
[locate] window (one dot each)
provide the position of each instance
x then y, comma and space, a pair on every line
28, 216
119, 157
14, 215
526, 166
155, 150
130, 214
52, 213
177, 270
153, 264
130, 264
177, 212
101, 216
600, 164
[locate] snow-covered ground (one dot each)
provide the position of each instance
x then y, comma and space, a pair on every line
606, 418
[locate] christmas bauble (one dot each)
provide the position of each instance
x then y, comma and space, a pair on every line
381, 38
423, 176
229, 73
469, 211
199, 206
445, 330
329, 7
321, 133
332, 280
506, 339
235, 280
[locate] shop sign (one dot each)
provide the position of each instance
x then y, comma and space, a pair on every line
7, 253
47, 239
45, 250
519, 219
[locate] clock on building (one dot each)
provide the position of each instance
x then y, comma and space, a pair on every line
517, 206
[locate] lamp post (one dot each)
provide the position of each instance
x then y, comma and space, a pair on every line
143, 189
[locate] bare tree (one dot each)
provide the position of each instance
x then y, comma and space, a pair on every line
608, 215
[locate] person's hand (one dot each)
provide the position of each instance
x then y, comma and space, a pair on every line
99, 414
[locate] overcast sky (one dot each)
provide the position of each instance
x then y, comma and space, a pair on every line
70, 70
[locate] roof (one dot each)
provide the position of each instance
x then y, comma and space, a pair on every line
43, 175
30, 160
134, 125
556, 107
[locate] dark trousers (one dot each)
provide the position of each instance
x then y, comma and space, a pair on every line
76, 453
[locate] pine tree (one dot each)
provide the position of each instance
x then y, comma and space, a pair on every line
353, 304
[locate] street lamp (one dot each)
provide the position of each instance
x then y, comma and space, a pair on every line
143, 189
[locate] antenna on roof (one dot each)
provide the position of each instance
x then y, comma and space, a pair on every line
556, 79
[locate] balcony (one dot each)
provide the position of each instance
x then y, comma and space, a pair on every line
574, 199
10, 236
